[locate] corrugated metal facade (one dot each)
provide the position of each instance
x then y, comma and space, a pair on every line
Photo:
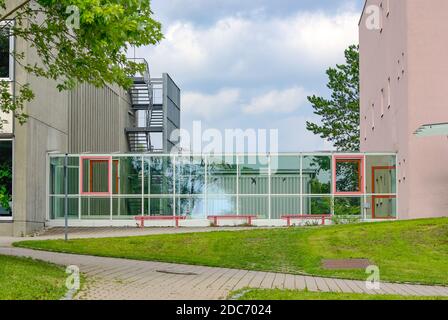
97, 119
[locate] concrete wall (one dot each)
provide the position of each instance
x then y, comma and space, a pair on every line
46, 130
95, 119
410, 51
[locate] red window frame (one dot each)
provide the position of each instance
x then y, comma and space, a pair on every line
349, 158
374, 197
92, 160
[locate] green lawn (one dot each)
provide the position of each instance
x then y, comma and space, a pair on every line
27, 279
405, 251
277, 294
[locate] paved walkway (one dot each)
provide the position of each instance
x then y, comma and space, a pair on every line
111, 278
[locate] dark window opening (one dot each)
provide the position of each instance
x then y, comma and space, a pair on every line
5, 52
5, 178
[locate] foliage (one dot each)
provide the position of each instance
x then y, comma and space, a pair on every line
405, 251
347, 206
340, 114
279, 294
79, 41
27, 279
5, 184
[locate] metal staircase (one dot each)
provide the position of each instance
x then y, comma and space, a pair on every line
141, 94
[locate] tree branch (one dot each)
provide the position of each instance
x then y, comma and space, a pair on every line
20, 6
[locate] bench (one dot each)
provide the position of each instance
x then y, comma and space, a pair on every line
321, 217
142, 219
248, 218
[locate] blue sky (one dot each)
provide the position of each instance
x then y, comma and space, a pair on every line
251, 63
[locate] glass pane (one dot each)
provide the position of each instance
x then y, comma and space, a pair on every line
190, 175
95, 175
95, 208
57, 175
57, 208
192, 207
254, 175
348, 206
160, 171
4, 52
159, 206
316, 175
221, 206
381, 207
348, 175
281, 206
221, 175
254, 206
5, 178
126, 175
382, 171
316, 205
126, 208
285, 175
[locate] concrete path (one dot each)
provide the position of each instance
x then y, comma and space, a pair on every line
111, 278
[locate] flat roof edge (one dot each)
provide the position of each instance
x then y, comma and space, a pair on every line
362, 13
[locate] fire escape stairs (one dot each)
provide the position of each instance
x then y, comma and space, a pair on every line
141, 95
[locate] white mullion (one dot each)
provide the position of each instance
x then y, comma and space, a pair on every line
301, 185
110, 183
174, 186
143, 187
206, 186
237, 185
81, 181
269, 187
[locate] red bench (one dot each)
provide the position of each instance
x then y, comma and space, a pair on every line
322, 217
248, 218
142, 219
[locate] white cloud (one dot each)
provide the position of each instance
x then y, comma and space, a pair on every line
241, 47
210, 106
285, 101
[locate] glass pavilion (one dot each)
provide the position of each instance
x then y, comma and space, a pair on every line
120, 187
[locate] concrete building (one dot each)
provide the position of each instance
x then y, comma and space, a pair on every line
403, 86
85, 120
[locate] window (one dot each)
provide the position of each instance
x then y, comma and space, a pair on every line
5, 178
5, 51
348, 175
95, 175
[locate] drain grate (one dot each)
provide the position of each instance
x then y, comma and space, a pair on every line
344, 264
179, 273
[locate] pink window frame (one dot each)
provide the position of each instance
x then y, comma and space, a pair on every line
348, 157
81, 174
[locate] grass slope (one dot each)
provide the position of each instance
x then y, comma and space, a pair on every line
277, 294
27, 279
405, 251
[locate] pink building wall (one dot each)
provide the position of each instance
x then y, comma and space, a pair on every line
410, 49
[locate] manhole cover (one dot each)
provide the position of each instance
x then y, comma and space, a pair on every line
177, 273
335, 264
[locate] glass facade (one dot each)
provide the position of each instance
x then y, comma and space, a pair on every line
119, 187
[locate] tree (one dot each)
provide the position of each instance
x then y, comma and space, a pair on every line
78, 41
340, 114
